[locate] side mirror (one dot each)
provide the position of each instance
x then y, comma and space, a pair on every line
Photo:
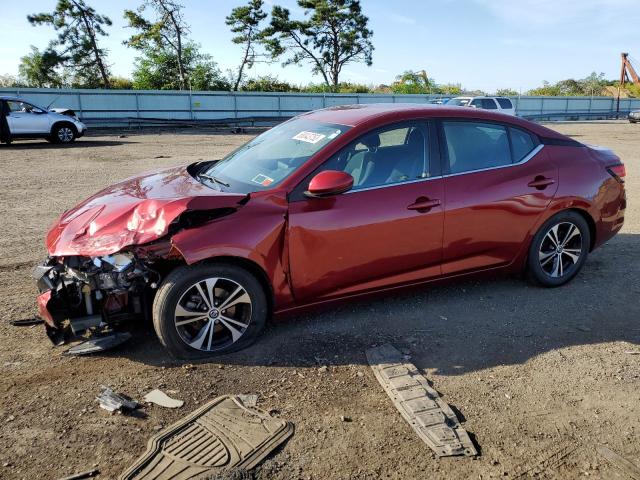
328, 183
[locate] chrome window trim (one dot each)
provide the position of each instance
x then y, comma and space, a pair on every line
528, 157
394, 184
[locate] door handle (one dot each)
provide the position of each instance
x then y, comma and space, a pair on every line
541, 182
424, 204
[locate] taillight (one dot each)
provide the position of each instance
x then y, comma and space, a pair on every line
617, 171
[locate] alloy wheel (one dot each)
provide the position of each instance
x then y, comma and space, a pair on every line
65, 134
212, 314
560, 249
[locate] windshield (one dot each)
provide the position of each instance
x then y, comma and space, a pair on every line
271, 157
461, 102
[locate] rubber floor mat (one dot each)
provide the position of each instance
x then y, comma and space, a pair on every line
221, 436
433, 420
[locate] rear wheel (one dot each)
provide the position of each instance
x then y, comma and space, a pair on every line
559, 249
63, 134
207, 310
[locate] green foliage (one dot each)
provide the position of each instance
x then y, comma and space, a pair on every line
158, 69
333, 34
411, 82
162, 38
506, 92
268, 83
39, 69
76, 46
588, 86
245, 23
342, 87
121, 83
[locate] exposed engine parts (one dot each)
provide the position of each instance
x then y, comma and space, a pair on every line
93, 293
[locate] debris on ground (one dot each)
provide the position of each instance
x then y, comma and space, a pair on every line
222, 436
112, 401
26, 322
433, 419
630, 469
162, 399
99, 344
80, 476
632, 352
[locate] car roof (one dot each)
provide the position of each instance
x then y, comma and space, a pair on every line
378, 114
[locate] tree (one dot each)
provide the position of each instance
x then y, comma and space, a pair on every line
166, 34
9, 81
268, 83
245, 22
158, 69
414, 82
506, 92
78, 27
39, 69
333, 34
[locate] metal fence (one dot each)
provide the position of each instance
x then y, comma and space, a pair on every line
107, 108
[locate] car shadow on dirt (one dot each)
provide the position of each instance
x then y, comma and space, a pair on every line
454, 329
36, 144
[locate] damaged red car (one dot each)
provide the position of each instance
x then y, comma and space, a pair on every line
333, 204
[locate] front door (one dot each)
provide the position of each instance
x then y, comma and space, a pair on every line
25, 118
499, 181
386, 231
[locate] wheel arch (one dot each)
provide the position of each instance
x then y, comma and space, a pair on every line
590, 222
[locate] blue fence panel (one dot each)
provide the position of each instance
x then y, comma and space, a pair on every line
118, 107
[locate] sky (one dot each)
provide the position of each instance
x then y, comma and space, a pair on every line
482, 44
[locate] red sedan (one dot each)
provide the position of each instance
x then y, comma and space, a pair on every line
333, 204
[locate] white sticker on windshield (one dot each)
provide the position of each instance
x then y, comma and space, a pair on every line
263, 180
309, 137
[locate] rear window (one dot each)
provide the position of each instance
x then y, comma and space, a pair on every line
522, 144
476, 145
504, 103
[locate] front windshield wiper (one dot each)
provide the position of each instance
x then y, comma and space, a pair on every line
213, 179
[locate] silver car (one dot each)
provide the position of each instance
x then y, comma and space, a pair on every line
26, 120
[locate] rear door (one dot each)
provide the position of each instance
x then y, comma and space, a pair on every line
386, 231
25, 118
498, 182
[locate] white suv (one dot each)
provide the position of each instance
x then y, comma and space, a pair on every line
501, 104
26, 120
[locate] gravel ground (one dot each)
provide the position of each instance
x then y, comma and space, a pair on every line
542, 377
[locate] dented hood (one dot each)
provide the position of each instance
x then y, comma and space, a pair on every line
133, 212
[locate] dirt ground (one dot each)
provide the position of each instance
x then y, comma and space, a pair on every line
542, 376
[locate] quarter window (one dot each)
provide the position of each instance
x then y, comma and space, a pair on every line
476, 145
521, 144
384, 157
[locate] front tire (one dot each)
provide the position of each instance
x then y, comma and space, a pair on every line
207, 310
559, 249
64, 134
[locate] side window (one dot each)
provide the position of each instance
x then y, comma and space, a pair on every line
476, 145
21, 107
522, 144
476, 102
384, 157
489, 104
504, 103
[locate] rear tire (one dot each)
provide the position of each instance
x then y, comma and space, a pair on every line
230, 318
559, 249
64, 134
